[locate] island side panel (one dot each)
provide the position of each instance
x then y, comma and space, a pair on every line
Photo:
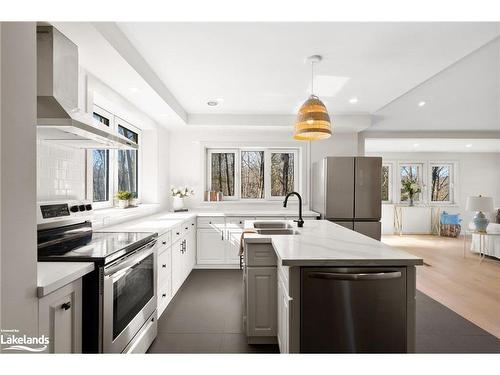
411, 305
294, 324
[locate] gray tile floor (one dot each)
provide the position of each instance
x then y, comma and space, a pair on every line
205, 317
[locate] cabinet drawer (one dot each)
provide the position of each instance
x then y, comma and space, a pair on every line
176, 233
210, 222
257, 254
237, 222
164, 241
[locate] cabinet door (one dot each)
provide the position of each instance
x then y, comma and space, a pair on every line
261, 301
191, 248
60, 318
164, 279
232, 249
283, 317
210, 247
177, 266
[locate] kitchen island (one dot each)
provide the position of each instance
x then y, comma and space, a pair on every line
325, 288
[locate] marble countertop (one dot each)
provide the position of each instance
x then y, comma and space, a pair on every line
54, 275
164, 221
323, 243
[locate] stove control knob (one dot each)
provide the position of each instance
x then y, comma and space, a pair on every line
81, 207
73, 208
88, 207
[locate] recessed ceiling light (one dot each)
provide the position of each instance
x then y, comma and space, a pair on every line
468, 145
215, 102
421, 103
416, 145
353, 100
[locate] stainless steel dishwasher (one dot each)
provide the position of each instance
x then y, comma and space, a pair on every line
353, 310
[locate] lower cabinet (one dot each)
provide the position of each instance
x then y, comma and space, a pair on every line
211, 246
60, 318
261, 304
232, 246
283, 324
164, 289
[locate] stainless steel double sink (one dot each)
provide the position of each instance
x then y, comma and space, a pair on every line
274, 228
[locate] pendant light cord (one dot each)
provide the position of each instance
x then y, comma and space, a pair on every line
312, 77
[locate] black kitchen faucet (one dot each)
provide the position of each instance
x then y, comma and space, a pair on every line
300, 222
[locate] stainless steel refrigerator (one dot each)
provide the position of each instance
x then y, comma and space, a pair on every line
347, 191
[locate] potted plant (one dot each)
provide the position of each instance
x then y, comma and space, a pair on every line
410, 187
123, 198
133, 201
178, 195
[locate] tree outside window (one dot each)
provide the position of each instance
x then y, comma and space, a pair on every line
282, 173
410, 173
252, 174
386, 169
440, 183
100, 175
222, 176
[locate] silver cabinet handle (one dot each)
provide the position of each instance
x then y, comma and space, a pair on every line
222, 232
355, 276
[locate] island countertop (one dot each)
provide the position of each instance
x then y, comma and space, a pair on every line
323, 243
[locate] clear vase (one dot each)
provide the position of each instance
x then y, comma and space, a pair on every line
178, 203
411, 202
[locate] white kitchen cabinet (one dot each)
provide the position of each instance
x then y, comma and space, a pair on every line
60, 318
164, 273
178, 266
261, 304
211, 246
283, 323
232, 246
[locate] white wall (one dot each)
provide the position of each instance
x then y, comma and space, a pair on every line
478, 173
18, 177
186, 156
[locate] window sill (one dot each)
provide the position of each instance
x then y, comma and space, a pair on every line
113, 215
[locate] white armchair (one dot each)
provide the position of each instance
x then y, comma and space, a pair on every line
492, 243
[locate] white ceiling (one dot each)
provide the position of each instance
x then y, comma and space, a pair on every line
258, 68
376, 145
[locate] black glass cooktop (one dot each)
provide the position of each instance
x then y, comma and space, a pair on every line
94, 246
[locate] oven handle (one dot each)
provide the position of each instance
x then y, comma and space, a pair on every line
131, 260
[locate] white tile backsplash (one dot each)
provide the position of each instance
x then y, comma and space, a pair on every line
60, 172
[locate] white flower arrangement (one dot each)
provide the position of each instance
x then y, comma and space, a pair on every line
181, 192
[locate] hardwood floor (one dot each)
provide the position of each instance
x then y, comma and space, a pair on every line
465, 286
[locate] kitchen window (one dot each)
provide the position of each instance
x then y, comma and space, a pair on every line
110, 171
252, 173
128, 178
100, 175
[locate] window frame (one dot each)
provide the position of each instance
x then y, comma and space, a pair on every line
114, 121
451, 195
390, 190
421, 178
120, 122
237, 164
267, 170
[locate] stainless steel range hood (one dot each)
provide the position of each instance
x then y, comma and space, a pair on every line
58, 118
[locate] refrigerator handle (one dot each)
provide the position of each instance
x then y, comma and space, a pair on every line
355, 276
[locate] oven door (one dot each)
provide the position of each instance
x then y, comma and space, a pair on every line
129, 297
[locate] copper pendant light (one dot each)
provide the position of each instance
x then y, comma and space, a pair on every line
313, 121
